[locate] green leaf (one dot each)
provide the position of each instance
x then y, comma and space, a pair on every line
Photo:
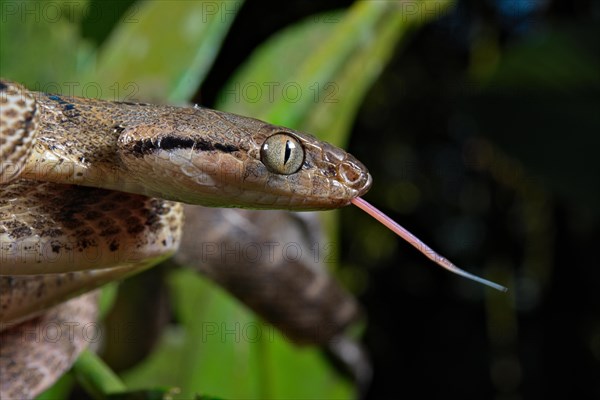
147, 394
141, 61
220, 342
95, 375
313, 76
59, 390
40, 43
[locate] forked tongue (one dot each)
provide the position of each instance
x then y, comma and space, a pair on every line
418, 244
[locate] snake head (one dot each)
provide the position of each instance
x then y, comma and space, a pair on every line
211, 158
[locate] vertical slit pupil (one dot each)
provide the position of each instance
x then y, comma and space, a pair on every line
288, 152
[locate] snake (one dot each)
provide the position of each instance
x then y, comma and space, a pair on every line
92, 191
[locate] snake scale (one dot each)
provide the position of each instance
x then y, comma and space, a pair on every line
91, 191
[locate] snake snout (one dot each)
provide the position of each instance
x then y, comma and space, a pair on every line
355, 175
350, 172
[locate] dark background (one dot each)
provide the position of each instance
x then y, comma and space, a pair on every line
482, 138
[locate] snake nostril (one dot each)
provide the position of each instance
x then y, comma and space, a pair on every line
351, 173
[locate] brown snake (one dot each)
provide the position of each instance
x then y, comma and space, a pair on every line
91, 192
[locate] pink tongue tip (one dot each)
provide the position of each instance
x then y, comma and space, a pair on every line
419, 245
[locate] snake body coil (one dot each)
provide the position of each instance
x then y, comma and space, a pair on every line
90, 192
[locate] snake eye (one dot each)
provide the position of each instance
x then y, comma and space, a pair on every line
282, 154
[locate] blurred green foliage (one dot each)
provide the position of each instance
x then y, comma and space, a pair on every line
548, 87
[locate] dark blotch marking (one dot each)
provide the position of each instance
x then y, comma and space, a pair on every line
134, 225
114, 245
52, 232
18, 230
171, 142
3, 86
129, 103
55, 247
147, 146
153, 222
110, 231
83, 244
226, 148
58, 99
29, 118
204, 145
70, 111
68, 108
11, 113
